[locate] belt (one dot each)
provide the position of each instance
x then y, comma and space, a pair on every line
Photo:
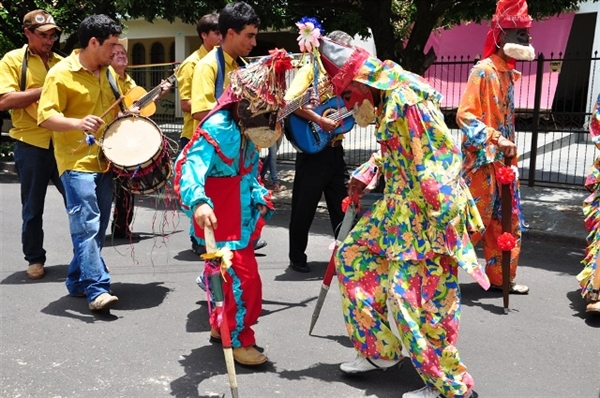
335, 143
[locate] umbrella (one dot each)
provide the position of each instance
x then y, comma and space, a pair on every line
506, 228
213, 262
346, 226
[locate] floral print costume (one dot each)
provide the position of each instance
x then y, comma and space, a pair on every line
591, 210
403, 254
485, 113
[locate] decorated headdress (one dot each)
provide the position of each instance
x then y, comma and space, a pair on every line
510, 14
259, 88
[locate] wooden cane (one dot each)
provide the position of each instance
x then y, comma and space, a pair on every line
506, 227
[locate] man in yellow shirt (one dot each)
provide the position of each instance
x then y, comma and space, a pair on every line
208, 30
76, 93
238, 24
123, 210
22, 74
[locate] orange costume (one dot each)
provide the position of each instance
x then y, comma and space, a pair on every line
486, 113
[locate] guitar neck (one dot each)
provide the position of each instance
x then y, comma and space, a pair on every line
294, 104
152, 94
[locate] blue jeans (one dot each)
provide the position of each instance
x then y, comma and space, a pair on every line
35, 167
270, 165
89, 198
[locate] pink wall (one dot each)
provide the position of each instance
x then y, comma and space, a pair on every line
549, 36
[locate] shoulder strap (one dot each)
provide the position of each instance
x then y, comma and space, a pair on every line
220, 73
24, 70
114, 88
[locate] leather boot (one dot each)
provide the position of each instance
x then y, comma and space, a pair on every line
249, 356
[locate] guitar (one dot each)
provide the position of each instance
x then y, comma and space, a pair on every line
137, 99
308, 137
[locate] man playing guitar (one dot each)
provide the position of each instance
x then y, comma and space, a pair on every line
315, 173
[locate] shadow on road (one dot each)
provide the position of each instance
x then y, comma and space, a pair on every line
54, 273
578, 305
132, 297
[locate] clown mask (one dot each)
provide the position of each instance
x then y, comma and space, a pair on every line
515, 43
359, 97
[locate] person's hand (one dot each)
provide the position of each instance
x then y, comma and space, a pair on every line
165, 87
90, 123
508, 148
204, 215
327, 125
356, 186
262, 208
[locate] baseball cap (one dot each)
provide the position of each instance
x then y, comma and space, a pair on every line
39, 19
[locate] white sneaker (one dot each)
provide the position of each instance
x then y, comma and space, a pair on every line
425, 392
103, 300
362, 364
200, 282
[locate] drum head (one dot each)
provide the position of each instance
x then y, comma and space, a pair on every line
131, 140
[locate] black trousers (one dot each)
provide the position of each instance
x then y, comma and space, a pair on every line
316, 174
123, 211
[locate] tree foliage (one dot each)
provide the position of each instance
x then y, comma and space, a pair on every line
400, 28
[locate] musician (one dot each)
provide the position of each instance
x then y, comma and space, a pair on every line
22, 74
208, 30
123, 210
77, 91
317, 173
589, 277
223, 152
486, 116
402, 257
238, 24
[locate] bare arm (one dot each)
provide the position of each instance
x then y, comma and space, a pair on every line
60, 123
186, 105
19, 99
326, 124
200, 115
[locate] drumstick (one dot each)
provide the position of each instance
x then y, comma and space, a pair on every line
117, 102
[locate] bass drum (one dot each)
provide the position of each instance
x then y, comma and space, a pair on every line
138, 153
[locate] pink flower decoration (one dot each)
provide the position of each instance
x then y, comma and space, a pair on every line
308, 36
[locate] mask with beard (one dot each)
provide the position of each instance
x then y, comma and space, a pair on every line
261, 128
359, 97
515, 43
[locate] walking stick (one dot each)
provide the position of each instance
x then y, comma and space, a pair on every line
214, 265
506, 227
347, 224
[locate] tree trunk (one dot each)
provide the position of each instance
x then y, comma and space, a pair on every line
378, 15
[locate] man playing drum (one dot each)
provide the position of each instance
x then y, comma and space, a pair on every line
76, 92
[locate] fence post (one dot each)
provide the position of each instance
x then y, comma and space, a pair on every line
536, 118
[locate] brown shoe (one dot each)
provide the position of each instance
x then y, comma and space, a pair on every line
35, 271
249, 356
103, 301
515, 288
215, 336
594, 307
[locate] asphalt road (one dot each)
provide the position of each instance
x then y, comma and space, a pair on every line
154, 343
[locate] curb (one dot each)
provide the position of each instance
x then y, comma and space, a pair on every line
538, 235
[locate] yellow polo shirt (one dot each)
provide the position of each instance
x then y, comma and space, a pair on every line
185, 74
74, 92
25, 124
205, 78
125, 84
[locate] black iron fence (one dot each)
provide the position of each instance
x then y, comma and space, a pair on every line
553, 100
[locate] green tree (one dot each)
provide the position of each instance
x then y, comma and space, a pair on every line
400, 28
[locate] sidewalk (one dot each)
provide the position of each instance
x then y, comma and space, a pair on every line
551, 214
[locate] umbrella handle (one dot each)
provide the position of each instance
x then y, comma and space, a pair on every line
209, 239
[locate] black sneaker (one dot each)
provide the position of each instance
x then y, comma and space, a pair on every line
299, 267
259, 244
198, 249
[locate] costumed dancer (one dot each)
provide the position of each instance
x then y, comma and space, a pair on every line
217, 182
403, 255
589, 278
486, 116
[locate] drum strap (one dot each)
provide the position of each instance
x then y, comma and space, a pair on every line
220, 73
24, 69
114, 88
